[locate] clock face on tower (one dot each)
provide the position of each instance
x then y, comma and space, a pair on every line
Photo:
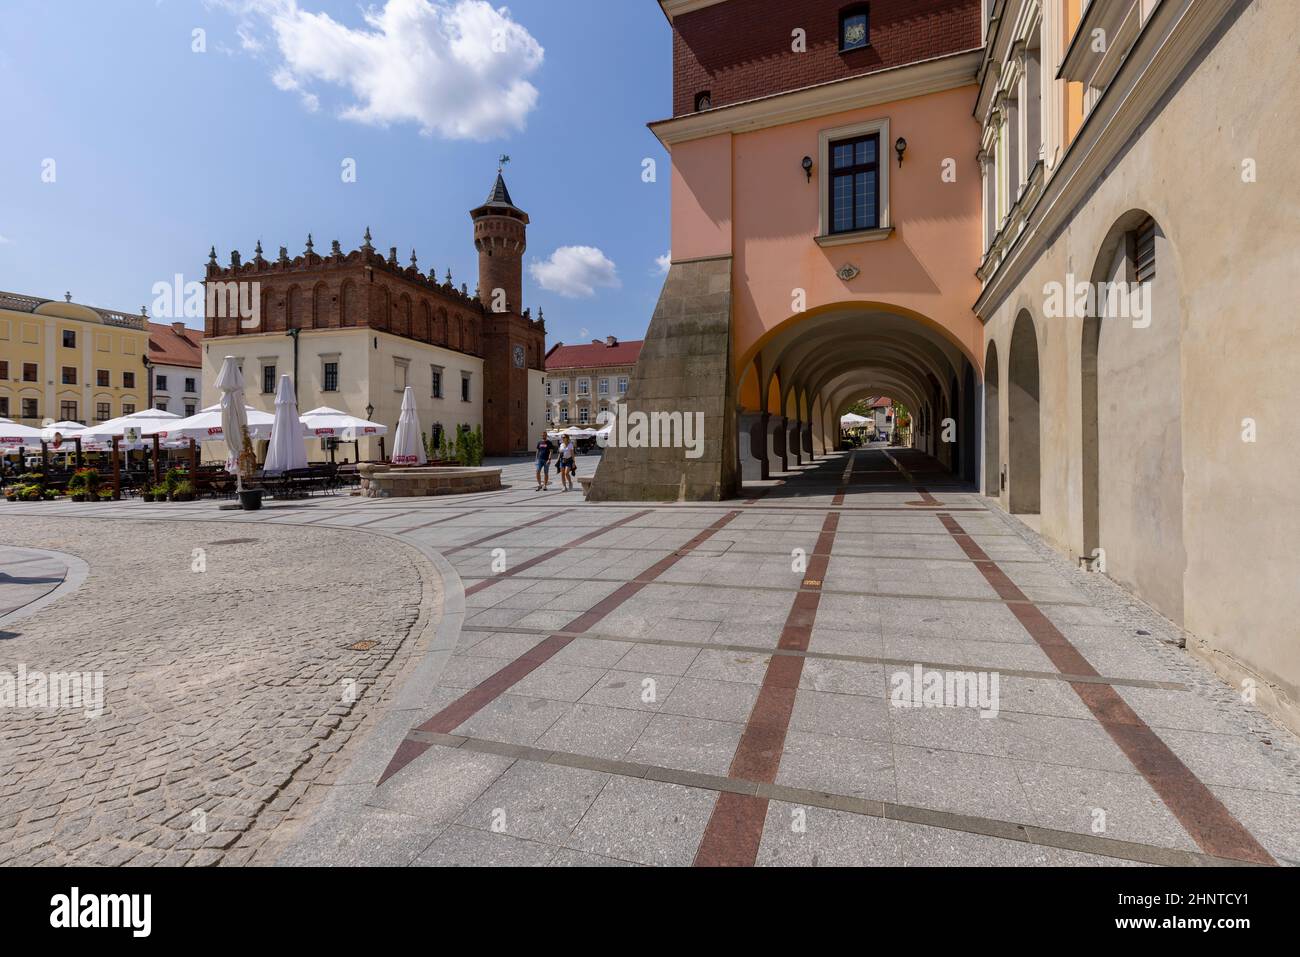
519, 357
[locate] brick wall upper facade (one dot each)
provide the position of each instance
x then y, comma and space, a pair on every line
741, 49
362, 289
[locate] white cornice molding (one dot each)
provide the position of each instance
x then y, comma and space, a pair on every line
677, 8
885, 86
1169, 40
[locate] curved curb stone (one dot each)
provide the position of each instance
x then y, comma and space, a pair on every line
75, 571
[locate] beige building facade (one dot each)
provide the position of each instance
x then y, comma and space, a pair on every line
64, 361
581, 382
362, 372
1140, 236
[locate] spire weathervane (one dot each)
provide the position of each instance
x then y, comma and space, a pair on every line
502, 160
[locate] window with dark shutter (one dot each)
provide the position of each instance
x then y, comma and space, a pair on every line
1144, 252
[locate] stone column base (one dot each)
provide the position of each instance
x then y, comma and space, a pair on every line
684, 368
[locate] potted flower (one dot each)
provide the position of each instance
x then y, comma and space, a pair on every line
105, 495
84, 485
184, 492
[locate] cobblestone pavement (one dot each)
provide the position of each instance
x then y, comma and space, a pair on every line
225, 684
714, 684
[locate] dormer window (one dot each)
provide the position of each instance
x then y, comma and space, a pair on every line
854, 30
703, 101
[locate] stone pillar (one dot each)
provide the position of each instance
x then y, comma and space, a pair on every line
772, 445
752, 435
780, 433
793, 442
685, 368
807, 437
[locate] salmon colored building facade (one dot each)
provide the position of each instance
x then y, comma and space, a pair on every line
826, 213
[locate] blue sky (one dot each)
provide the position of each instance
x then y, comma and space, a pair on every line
161, 151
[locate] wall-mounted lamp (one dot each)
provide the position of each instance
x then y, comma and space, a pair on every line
370, 412
900, 147
808, 167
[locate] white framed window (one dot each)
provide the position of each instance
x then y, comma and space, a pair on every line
401, 374
464, 387
622, 385
584, 415
564, 388
879, 128
602, 387
435, 374
548, 388
584, 387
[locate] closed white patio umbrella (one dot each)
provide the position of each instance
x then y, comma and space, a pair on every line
234, 419
408, 444
286, 451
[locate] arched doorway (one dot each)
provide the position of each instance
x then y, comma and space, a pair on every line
1131, 415
1024, 430
827, 361
992, 426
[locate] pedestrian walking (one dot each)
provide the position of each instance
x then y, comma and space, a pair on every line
543, 463
568, 463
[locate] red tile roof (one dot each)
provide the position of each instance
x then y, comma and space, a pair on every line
170, 348
595, 355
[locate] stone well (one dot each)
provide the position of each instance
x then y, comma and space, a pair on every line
384, 481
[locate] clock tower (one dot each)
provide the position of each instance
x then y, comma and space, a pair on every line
514, 346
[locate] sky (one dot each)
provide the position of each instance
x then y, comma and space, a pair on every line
138, 133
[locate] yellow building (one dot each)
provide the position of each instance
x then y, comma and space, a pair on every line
62, 361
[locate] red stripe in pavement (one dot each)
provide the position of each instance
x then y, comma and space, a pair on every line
507, 531
538, 559
383, 518
1210, 824
735, 828
926, 497
441, 521
845, 480
477, 698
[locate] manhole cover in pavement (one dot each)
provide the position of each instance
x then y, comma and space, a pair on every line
362, 646
234, 541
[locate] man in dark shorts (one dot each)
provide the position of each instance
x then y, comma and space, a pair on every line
543, 459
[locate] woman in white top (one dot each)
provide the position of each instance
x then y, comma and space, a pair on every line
567, 463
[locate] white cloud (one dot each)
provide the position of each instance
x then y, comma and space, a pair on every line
576, 272
457, 68
664, 262
5, 241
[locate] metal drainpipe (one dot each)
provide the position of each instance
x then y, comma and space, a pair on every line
293, 334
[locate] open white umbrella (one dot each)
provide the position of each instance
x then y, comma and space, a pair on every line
145, 423
327, 423
15, 436
205, 426
851, 420
408, 444
234, 417
286, 451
